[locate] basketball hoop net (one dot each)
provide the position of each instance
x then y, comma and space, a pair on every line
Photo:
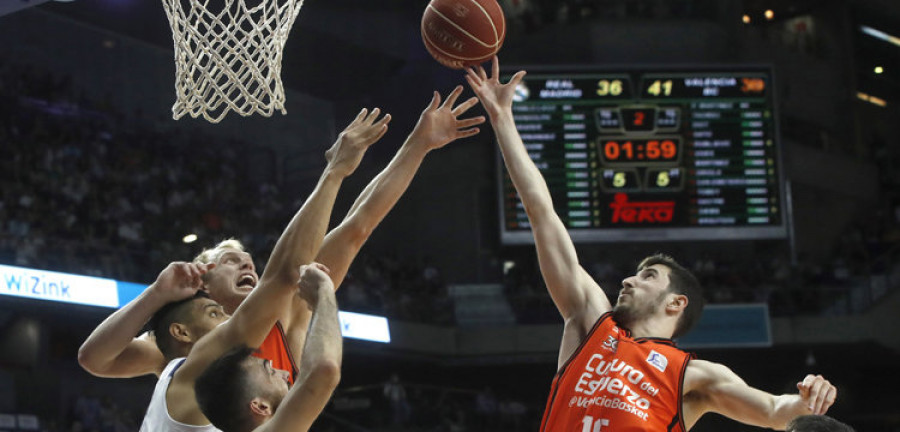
229, 60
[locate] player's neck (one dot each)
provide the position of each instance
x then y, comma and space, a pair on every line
653, 327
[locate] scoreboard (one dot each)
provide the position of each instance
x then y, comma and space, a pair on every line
642, 155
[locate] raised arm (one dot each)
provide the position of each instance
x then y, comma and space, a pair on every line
577, 296
112, 350
712, 387
301, 239
322, 355
438, 126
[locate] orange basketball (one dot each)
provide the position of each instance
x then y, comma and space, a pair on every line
462, 33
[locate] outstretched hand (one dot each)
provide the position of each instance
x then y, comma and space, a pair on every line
180, 280
495, 97
817, 393
439, 124
346, 153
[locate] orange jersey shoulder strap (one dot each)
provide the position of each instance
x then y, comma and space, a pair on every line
276, 350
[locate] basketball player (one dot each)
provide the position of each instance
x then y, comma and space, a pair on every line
174, 406
817, 423
241, 393
618, 368
176, 327
110, 350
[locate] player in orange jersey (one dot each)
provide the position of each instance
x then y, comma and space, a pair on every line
112, 351
618, 368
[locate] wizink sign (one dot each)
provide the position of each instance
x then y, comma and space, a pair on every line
94, 291
55, 286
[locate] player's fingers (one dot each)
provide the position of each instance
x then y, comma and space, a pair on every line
810, 379
802, 390
465, 106
517, 78
815, 396
495, 67
359, 117
194, 272
384, 120
469, 122
470, 72
377, 135
828, 400
435, 101
451, 98
467, 133
321, 267
481, 73
379, 128
372, 116
474, 81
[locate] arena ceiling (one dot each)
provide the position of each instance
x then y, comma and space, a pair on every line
331, 36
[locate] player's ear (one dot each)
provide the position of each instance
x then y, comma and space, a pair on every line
261, 407
677, 303
180, 332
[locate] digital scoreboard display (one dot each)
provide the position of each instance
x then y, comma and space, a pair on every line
643, 155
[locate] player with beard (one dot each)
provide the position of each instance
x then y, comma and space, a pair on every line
618, 368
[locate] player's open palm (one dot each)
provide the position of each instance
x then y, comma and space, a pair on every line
346, 153
180, 280
494, 96
440, 124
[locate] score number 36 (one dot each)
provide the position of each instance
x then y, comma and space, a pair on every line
609, 88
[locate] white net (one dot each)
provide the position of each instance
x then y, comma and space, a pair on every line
229, 60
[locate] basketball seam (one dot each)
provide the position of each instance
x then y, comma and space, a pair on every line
490, 20
449, 21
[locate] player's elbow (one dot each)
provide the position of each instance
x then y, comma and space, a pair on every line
89, 362
327, 374
355, 231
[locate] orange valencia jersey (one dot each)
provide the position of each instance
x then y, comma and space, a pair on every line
614, 382
276, 350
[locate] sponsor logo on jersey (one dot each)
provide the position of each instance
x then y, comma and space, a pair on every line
611, 343
658, 360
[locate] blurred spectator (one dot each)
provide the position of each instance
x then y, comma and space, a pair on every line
396, 396
486, 409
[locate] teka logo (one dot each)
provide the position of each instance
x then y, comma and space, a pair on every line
460, 10
641, 211
611, 343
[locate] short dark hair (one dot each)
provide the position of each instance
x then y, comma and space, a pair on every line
174, 312
222, 391
817, 423
681, 281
